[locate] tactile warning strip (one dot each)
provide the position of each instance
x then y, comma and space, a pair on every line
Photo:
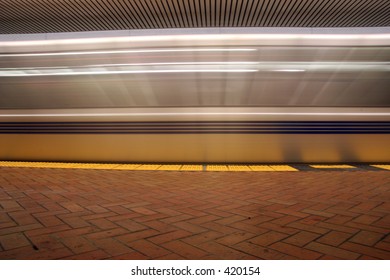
382, 166
148, 167
191, 167
173, 167
127, 166
283, 168
261, 168
239, 168
196, 167
332, 166
217, 168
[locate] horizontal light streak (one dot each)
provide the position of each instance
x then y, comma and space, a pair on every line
219, 38
137, 68
129, 72
198, 114
175, 63
130, 51
289, 70
190, 67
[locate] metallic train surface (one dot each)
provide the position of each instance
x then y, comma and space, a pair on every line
231, 98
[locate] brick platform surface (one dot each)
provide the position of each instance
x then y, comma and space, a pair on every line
103, 214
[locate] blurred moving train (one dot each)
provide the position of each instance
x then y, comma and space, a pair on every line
205, 98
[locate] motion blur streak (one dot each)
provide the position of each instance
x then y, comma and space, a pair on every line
230, 98
188, 67
206, 39
197, 114
127, 51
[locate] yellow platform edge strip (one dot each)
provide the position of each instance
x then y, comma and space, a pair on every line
178, 167
382, 166
158, 167
327, 166
191, 167
283, 168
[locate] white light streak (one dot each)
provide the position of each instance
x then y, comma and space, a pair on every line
219, 38
127, 72
289, 70
197, 114
177, 63
192, 67
131, 51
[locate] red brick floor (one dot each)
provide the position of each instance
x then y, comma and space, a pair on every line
103, 214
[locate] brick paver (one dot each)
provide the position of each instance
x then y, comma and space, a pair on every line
125, 214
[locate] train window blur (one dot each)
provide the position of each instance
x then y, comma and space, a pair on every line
198, 77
